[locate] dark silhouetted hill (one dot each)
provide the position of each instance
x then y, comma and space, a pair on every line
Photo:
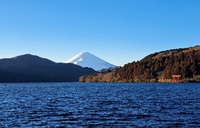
30, 68
157, 67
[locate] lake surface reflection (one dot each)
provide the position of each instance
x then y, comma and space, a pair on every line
99, 105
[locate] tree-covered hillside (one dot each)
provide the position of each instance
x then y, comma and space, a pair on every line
157, 67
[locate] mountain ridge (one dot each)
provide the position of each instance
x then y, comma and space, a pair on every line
156, 67
86, 59
32, 68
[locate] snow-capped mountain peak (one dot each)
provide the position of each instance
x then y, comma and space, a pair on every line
86, 59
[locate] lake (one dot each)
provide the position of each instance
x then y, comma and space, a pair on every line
99, 105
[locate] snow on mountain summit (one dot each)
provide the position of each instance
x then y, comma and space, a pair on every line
86, 59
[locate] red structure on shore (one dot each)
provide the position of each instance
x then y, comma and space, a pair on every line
176, 78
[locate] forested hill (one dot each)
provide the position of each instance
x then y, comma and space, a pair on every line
157, 67
31, 68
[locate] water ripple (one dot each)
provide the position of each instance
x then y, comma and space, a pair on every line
99, 105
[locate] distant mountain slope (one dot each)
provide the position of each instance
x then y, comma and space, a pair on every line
29, 68
86, 59
107, 70
157, 67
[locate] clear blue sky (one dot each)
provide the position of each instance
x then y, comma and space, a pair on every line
119, 31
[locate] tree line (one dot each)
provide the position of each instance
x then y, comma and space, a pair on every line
159, 67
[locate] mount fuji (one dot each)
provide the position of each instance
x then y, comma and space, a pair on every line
86, 59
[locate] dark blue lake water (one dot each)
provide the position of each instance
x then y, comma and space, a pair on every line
99, 105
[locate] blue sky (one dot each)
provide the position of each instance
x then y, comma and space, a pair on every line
119, 31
